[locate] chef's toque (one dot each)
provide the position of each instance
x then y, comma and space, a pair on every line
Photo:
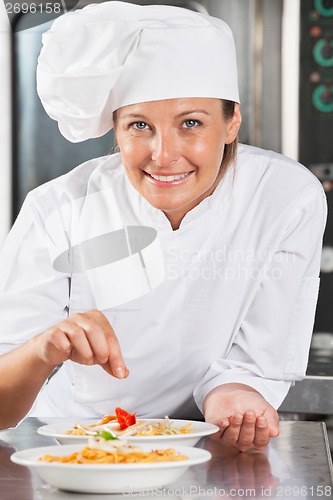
105, 56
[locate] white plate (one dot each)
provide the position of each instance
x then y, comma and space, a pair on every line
57, 431
185, 486
107, 478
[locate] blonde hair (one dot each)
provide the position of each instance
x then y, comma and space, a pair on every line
230, 150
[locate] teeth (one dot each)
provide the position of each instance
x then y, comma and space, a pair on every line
169, 178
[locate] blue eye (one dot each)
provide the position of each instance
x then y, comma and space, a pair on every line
191, 123
139, 125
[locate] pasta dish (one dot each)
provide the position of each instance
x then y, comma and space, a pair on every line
93, 456
134, 427
106, 449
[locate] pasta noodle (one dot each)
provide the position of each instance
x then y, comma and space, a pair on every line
77, 432
94, 456
162, 428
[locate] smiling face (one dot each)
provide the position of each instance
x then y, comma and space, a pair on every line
172, 150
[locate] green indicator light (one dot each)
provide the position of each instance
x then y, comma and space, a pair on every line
318, 50
317, 98
324, 11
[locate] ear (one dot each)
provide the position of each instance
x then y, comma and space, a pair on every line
234, 125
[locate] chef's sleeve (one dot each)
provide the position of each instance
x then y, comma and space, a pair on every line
33, 296
269, 352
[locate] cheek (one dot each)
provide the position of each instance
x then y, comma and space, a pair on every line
133, 151
209, 151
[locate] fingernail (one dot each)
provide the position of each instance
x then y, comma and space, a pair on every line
261, 421
225, 423
120, 372
238, 419
250, 415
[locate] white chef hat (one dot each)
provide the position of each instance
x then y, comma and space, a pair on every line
112, 54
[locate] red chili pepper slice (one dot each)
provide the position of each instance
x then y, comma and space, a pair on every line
124, 418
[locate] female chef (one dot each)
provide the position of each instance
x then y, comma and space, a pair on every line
177, 277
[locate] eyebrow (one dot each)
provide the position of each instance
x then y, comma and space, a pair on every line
133, 115
143, 117
192, 111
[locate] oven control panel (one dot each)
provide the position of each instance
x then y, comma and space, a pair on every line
316, 88
316, 130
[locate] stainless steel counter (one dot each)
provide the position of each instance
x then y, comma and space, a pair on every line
313, 394
297, 464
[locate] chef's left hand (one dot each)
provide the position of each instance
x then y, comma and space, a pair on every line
246, 420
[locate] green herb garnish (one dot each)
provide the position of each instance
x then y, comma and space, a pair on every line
106, 435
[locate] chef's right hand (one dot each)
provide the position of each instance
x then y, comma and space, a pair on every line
86, 338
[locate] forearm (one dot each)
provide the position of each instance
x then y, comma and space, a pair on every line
22, 374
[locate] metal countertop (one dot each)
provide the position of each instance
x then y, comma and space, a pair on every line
297, 464
313, 394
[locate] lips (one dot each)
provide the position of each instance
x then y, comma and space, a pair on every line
169, 178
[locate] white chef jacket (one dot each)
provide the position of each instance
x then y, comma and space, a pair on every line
233, 300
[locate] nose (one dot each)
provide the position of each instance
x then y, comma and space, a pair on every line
165, 148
